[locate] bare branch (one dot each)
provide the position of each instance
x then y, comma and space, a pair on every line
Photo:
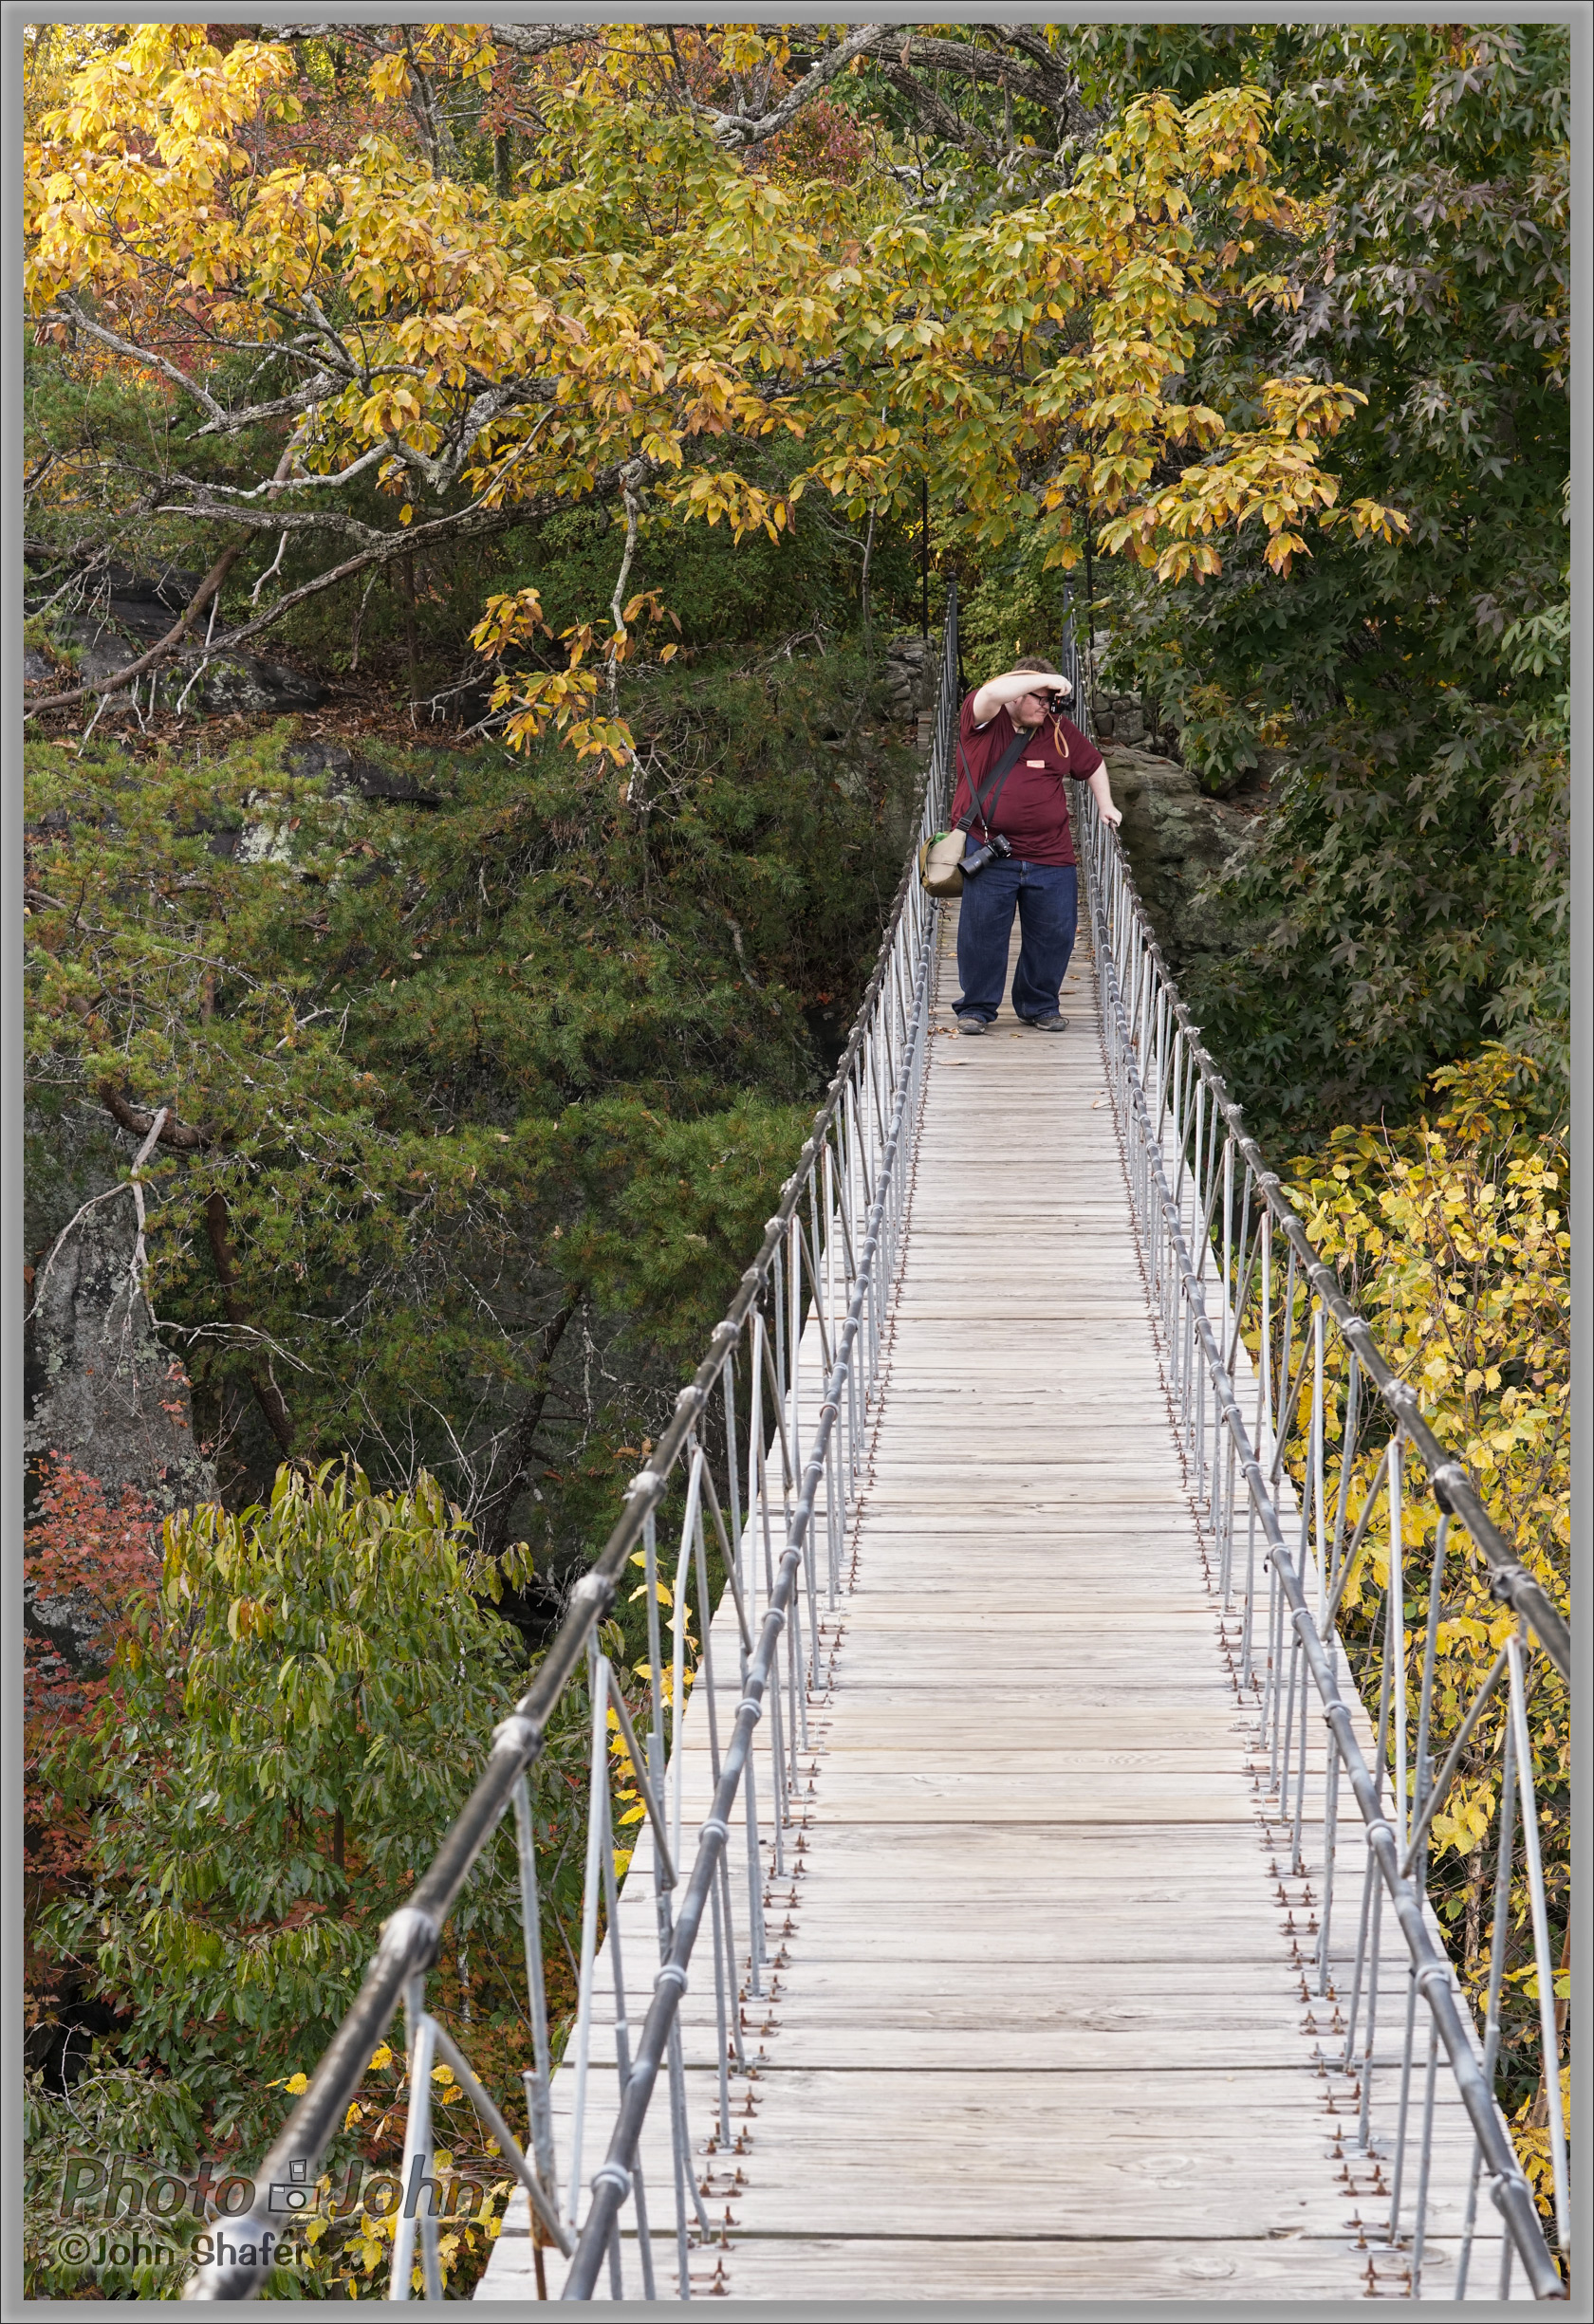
934, 112
536, 40
738, 130
475, 523
221, 421
162, 1126
210, 587
67, 306
135, 670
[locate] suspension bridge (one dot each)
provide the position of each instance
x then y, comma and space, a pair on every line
1027, 1903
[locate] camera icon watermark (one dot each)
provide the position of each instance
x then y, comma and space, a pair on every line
297, 2193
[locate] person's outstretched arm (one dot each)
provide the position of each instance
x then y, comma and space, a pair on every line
996, 694
1102, 792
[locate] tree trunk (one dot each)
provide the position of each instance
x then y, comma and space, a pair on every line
492, 1523
408, 570
268, 1394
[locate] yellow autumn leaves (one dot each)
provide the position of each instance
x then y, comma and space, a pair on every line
1449, 1238
640, 291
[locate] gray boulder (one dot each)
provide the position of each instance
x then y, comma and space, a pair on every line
1180, 843
111, 636
912, 669
1121, 719
246, 685
349, 777
106, 1394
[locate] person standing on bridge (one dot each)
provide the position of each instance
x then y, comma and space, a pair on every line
1014, 721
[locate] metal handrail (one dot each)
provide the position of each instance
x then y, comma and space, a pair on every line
1185, 1146
1454, 1489
860, 1161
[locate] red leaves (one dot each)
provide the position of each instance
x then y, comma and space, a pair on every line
91, 1561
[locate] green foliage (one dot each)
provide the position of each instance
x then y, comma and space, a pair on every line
289, 1728
442, 1071
723, 595
1413, 870
1014, 606
114, 2110
296, 1720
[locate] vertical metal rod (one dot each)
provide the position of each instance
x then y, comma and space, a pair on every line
1407, 2049
681, 2157
623, 2043
679, 1616
1499, 1930
1397, 1600
1370, 1874
655, 1650
1430, 1650
1419, 2222
418, 2149
756, 1938
1316, 1459
597, 1669
1363, 2130
1543, 1959
724, 1971
1330, 1837
794, 1338
538, 2082
1297, 1860
1347, 1459
728, 1377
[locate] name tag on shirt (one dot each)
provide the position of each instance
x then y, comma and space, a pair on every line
1040, 763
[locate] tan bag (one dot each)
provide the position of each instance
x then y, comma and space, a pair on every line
940, 856
940, 860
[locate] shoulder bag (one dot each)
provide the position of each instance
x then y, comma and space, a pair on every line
940, 857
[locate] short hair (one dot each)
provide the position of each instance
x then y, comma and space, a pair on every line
1033, 661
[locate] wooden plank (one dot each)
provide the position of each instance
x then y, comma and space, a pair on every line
864, 2268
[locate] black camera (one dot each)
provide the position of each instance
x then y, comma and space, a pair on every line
996, 850
1059, 699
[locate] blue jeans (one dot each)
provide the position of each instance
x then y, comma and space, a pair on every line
1047, 899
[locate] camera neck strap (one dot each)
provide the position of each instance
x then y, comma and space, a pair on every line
981, 809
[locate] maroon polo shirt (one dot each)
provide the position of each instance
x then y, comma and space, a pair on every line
1033, 812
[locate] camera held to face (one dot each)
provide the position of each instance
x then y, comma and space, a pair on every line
1059, 699
996, 850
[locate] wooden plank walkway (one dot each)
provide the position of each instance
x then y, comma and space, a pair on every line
1038, 2027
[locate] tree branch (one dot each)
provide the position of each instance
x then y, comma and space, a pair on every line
474, 523
536, 40
492, 1525
739, 132
172, 1132
934, 112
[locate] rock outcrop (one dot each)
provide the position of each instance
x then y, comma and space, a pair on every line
105, 1395
1177, 839
132, 612
912, 669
